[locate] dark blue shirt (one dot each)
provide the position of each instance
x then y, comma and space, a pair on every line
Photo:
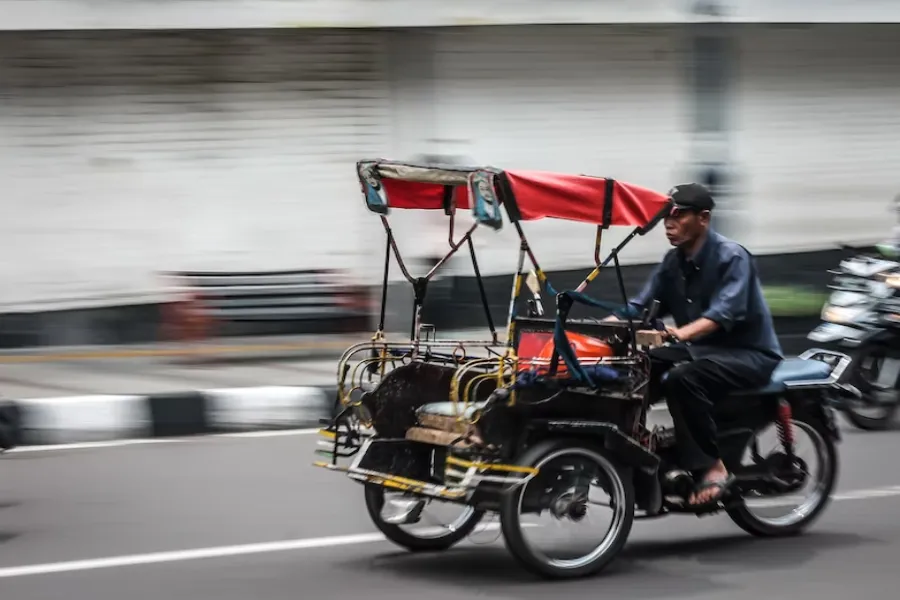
720, 283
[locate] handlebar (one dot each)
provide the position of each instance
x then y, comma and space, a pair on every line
650, 321
653, 311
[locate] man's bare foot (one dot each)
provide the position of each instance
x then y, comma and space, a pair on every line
714, 484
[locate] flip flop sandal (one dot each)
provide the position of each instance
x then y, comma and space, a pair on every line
722, 485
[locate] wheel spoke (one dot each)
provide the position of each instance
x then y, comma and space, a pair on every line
429, 531
804, 504
571, 508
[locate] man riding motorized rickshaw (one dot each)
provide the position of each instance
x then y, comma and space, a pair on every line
535, 425
725, 336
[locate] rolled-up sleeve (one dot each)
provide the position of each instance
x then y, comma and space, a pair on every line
729, 303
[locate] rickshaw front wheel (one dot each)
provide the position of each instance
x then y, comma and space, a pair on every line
444, 538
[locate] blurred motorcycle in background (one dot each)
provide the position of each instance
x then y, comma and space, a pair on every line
862, 317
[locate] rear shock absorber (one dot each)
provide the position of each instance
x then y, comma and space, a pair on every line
785, 427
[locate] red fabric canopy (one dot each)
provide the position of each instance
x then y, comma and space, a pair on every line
542, 195
421, 196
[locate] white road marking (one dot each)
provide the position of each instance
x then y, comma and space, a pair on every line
200, 553
283, 546
88, 445
881, 492
267, 434
183, 555
794, 500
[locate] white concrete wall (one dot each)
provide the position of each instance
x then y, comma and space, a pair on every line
817, 134
606, 101
202, 14
229, 14
125, 155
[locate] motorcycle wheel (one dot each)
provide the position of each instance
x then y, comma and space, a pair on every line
455, 533
621, 494
805, 514
866, 369
882, 419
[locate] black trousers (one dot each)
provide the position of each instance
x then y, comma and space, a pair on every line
692, 388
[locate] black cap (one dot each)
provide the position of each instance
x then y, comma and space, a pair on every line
692, 196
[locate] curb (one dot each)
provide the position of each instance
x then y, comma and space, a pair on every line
76, 419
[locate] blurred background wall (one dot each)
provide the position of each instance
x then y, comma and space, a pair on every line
146, 146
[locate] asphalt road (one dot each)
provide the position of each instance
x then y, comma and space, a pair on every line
203, 501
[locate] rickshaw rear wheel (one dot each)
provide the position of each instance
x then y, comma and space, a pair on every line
375, 503
621, 493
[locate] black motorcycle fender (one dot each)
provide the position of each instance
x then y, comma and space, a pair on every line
816, 404
827, 414
617, 443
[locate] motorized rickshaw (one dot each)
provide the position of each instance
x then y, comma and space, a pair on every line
528, 426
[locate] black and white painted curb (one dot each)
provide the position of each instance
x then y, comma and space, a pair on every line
109, 417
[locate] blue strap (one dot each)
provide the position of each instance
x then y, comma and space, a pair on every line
603, 372
617, 309
550, 289
585, 299
624, 312
532, 378
564, 348
527, 379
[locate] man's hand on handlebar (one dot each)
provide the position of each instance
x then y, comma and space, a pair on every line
675, 334
698, 329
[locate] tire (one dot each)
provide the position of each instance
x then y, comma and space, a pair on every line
867, 423
375, 503
885, 419
744, 518
510, 516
